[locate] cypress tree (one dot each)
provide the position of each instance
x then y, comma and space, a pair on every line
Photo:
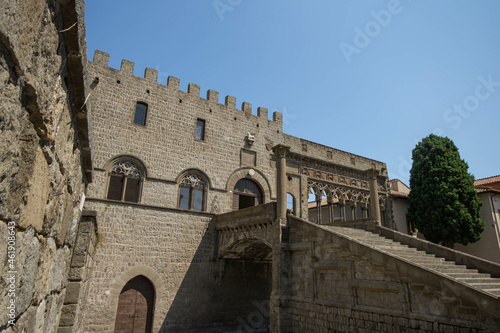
444, 205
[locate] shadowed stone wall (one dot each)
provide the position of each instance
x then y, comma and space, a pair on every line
337, 284
44, 155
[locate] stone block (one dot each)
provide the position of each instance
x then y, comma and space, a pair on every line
68, 315
38, 191
72, 292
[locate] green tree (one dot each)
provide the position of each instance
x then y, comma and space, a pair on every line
443, 201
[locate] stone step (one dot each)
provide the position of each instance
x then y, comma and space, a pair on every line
488, 280
485, 285
412, 254
446, 267
454, 270
461, 273
426, 261
495, 291
389, 247
469, 275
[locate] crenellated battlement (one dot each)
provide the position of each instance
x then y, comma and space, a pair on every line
101, 59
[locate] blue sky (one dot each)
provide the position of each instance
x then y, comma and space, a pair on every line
369, 77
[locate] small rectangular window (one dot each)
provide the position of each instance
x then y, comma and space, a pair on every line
200, 129
141, 110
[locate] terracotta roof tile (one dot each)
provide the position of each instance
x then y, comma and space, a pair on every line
488, 180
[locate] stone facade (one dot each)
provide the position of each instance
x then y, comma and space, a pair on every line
179, 247
185, 227
45, 156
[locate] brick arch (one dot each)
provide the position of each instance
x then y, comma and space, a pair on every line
257, 177
120, 282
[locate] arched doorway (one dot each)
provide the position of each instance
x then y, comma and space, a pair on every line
246, 193
135, 306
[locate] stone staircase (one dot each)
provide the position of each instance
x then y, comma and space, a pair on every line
472, 277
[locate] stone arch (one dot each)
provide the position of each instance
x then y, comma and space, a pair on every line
338, 193
196, 171
118, 158
318, 190
328, 193
136, 305
349, 197
120, 282
245, 248
251, 174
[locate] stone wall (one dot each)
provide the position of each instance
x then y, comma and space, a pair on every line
166, 145
337, 284
82, 261
44, 154
176, 249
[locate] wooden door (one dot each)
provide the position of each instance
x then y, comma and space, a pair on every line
135, 307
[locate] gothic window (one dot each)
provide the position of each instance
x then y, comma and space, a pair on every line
192, 192
125, 181
246, 193
141, 110
200, 130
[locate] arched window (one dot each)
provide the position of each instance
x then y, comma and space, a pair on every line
246, 193
135, 306
141, 110
125, 181
192, 191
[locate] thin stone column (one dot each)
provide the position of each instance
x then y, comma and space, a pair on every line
374, 204
278, 256
331, 212
280, 152
318, 211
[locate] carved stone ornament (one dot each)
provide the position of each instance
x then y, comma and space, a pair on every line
250, 138
126, 168
192, 180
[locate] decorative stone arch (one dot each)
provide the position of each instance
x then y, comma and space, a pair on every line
328, 192
349, 197
197, 172
318, 190
122, 158
251, 174
336, 191
120, 282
